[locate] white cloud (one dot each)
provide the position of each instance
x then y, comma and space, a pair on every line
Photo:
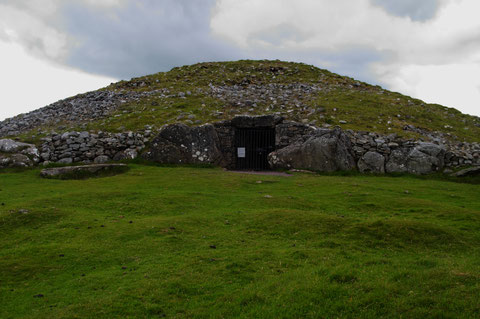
416, 56
29, 83
27, 26
453, 85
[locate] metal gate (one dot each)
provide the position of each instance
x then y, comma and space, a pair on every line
253, 146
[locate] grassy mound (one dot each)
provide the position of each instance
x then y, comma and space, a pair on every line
362, 106
204, 243
209, 92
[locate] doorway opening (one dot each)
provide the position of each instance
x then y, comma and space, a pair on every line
252, 148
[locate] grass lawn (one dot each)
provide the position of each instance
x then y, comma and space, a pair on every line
181, 242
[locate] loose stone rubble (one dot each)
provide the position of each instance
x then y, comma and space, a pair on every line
78, 109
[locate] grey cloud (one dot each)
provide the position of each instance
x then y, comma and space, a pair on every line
417, 10
143, 37
146, 36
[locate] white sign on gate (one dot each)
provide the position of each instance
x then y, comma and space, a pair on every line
241, 152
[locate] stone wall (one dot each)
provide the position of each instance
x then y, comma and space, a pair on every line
85, 147
226, 137
395, 150
215, 144
288, 132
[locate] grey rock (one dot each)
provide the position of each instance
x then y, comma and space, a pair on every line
326, 151
128, 154
102, 159
426, 158
45, 156
67, 160
5, 161
11, 146
397, 162
20, 160
472, 171
372, 162
180, 144
245, 121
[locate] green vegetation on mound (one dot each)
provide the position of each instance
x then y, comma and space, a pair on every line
362, 106
204, 243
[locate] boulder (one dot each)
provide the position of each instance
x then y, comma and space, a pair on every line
424, 158
20, 160
102, 159
472, 171
11, 146
325, 151
372, 162
397, 162
128, 154
5, 161
78, 172
17, 154
180, 144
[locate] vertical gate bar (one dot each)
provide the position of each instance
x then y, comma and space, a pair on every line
254, 146
262, 142
257, 164
256, 150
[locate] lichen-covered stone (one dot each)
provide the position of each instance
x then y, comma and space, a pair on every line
325, 151
180, 144
372, 162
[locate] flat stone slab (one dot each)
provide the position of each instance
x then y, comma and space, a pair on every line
78, 172
472, 171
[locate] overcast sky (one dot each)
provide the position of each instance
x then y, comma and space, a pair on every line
52, 49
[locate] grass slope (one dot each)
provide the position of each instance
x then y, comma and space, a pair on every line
362, 106
204, 243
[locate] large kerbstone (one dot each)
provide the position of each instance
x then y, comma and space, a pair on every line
325, 151
397, 162
372, 162
20, 160
11, 146
180, 144
424, 158
17, 154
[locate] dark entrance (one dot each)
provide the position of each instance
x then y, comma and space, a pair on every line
253, 146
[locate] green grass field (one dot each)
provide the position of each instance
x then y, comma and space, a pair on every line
181, 242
